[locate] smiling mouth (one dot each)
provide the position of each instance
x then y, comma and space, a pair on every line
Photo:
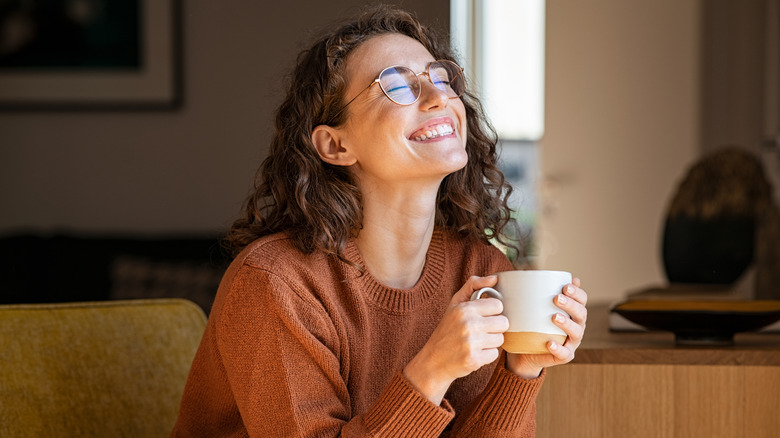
431, 132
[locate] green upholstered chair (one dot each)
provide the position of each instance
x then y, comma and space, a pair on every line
95, 369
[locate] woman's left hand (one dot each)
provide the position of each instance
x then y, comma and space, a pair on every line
572, 300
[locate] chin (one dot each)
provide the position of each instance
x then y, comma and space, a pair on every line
457, 163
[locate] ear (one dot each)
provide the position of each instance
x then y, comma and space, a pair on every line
328, 142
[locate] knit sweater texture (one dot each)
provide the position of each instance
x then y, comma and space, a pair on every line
305, 345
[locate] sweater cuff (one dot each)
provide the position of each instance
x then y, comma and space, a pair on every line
403, 411
507, 400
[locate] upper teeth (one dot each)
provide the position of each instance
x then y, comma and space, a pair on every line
434, 131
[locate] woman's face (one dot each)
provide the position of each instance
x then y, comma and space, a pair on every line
386, 139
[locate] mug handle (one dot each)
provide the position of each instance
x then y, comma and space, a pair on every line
489, 291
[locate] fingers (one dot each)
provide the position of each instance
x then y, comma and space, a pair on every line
562, 353
577, 311
472, 284
493, 341
486, 306
487, 356
475, 283
576, 292
573, 331
481, 316
572, 300
496, 324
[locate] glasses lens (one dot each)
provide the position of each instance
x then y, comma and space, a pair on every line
400, 84
448, 77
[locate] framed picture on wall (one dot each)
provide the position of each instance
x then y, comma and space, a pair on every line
90, 54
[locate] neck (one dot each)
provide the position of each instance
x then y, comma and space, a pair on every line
396, 234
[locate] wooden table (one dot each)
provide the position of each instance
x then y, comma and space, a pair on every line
635, 384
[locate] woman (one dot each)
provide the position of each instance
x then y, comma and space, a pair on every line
347, 312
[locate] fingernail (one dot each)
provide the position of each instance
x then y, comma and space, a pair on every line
570, 290
553, 346
559, 318
562, 299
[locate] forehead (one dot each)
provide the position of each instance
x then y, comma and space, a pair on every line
385, 50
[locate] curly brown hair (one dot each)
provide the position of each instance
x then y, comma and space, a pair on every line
319, 204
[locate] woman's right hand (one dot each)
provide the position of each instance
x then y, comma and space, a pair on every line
467, 337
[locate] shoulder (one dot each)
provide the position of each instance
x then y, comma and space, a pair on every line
272, 287
271, 279
277, 251
276, 255
273, 269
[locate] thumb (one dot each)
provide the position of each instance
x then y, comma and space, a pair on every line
474, 283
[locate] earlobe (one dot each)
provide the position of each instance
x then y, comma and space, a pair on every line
329, 146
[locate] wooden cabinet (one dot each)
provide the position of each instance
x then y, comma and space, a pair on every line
642, 385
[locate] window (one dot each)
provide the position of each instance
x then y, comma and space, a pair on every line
501, 46
501, 43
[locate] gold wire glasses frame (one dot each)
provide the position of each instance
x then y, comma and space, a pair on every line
397, 84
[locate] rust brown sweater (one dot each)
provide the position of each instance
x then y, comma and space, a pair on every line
304, 346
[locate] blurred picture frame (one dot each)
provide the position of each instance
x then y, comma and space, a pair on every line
90, 55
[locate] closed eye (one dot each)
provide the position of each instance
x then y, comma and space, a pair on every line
398, 88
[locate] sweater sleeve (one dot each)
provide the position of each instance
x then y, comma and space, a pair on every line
281, 354
506, 408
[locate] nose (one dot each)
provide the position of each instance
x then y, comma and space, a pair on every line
432, 97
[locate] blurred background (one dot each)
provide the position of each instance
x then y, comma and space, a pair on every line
634, 93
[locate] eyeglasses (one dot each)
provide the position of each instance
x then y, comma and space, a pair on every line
402, 85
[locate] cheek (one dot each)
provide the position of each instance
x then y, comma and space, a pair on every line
464, 125
464, 133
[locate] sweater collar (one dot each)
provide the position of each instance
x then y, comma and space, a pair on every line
401, 300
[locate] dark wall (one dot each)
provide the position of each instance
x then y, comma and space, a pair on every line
183, 171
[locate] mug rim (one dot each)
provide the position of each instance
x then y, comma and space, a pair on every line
537, 271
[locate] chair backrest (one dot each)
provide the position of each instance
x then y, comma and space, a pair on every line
96, 369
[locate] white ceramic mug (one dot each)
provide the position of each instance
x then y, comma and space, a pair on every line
528, 304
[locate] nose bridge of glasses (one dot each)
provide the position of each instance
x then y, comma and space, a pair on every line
437, 88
